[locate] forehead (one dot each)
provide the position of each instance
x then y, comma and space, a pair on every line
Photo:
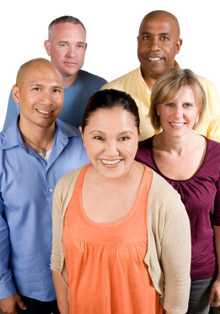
40, 74
159, 24
111, 120
67, 29
185, 92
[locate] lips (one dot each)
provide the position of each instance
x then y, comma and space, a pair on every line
177, 125
155, 58
110, 162
44, 112
71, 64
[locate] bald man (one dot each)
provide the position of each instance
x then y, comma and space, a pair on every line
34, 154
158, 44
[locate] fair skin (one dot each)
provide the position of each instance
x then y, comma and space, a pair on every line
39, 93
158, 44
66, 47
179, 151
111, 139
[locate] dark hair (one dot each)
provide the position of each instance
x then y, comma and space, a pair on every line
66, 19
107, 99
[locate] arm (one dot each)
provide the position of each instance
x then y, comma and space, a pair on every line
57, 258
176, 256
61, 292
12, 112
9, 299
214, 297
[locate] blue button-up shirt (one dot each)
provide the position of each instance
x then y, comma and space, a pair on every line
26, 184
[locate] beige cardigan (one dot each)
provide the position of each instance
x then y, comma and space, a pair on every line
169, 243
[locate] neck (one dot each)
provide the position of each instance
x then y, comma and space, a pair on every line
38, 138
176, 145
69, 80
150, 81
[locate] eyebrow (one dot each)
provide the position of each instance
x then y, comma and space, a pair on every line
40, 85
121, 133
149, 33
67, 42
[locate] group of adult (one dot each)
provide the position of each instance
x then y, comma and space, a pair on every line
136, 229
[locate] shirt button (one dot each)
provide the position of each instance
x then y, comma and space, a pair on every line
51, 190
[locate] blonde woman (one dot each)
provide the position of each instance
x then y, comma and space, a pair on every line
191, 164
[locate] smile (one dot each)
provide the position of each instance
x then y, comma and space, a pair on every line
44, 112
177, 124
108, 162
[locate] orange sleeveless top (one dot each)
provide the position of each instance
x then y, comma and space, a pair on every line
105, 266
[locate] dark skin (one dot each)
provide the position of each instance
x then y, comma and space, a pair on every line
158, 44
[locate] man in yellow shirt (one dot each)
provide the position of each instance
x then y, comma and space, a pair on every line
158, 44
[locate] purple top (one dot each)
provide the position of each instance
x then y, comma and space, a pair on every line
201, 197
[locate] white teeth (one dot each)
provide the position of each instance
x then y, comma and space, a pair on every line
154, 59
43, 111
177, 124
110, 162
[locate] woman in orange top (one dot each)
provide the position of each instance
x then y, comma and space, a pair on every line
121, 230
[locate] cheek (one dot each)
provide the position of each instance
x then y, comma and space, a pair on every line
131, 149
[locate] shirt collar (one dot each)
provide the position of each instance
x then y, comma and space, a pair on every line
11, 137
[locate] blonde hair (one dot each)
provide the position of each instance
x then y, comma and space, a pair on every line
167, 87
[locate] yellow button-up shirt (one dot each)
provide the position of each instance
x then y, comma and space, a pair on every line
134, 84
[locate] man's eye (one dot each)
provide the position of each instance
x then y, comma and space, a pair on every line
164, 38
145, 37
57, 90
36, 89
62, 44
81, 45
98, 138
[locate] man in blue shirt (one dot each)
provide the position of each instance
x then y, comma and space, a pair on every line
34, 153
66, 46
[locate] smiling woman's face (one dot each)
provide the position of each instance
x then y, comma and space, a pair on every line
111, 140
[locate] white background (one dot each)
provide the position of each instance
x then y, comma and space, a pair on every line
112, 28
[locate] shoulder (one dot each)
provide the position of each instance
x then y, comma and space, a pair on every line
65, 184
91, 78
67, 129
144, 152
207, 84
121, 82
164, 198
213, 150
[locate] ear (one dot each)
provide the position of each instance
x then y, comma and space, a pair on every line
16, 94
179, 44
47, 46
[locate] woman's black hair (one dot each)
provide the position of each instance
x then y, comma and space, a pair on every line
107, 99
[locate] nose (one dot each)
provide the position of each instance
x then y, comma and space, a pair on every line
71, 52
46, 97
111, 148
178, 111
154, 43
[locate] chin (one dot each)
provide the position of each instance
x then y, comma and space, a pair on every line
112, 173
